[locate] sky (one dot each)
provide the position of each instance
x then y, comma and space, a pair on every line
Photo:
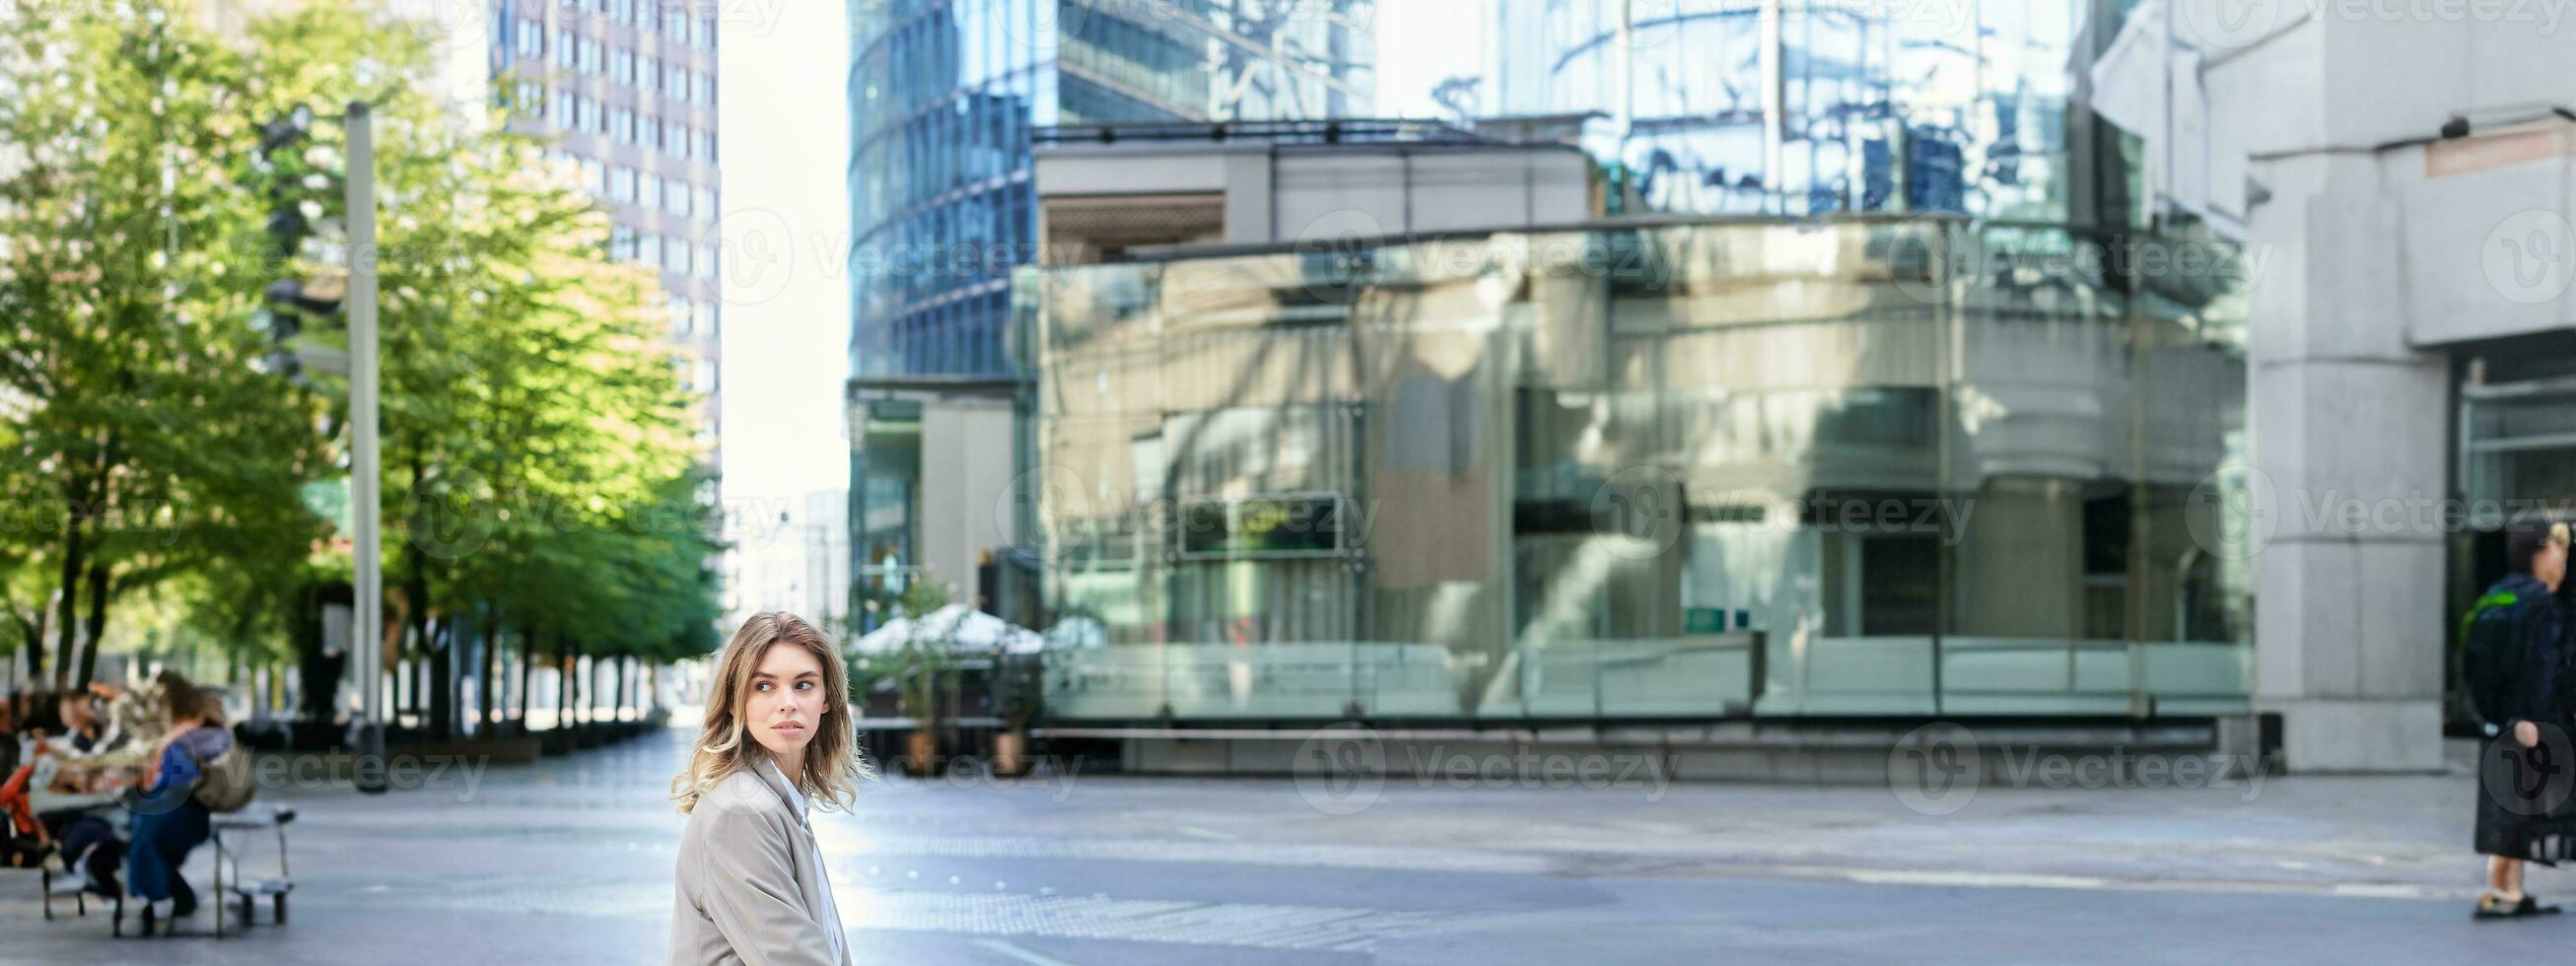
783, 139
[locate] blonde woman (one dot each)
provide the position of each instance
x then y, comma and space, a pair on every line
777, 735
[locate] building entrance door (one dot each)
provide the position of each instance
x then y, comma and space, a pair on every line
2516, 463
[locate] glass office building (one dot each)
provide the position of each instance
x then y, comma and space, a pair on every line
1677, 469
944, 95
1804, 108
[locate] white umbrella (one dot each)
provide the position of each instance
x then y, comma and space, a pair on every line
966, 629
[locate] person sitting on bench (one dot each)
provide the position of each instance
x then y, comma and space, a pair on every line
169, 822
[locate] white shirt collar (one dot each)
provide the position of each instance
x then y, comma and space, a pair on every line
794, 796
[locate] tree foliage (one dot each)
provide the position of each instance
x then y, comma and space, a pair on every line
539, 467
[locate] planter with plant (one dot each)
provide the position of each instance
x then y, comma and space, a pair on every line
923, 657
1016, 677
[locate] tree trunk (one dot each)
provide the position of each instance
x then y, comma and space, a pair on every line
486, 673
527, 669
621, 688
32, 633
67, 601
442, 674
97, 622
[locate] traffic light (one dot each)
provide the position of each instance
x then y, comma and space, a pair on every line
300, 187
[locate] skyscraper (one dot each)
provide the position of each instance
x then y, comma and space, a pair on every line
626, 90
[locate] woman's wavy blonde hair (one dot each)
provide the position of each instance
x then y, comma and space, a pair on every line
833, 769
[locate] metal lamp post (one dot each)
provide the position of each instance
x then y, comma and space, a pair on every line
366, 478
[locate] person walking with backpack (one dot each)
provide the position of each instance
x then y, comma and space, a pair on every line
169, 819
2514, 660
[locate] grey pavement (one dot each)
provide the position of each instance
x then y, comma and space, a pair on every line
570, 861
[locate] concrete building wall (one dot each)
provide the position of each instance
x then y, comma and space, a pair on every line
1302, 193
966, 484
2385, 252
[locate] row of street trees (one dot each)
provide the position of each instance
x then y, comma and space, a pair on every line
544, 494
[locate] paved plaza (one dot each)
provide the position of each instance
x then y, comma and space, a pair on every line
569, 861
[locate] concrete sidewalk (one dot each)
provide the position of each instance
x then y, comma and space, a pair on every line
570, 861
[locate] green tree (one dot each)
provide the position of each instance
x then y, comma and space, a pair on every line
123, 291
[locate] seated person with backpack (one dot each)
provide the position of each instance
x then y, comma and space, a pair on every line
170, 819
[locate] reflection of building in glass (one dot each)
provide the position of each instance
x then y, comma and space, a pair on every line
1669, 470
944, 95
1796, 108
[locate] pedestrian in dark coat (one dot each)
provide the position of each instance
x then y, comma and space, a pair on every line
2524, 775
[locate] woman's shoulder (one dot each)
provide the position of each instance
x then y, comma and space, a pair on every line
739, 795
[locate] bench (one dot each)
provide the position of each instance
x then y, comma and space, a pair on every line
248, 891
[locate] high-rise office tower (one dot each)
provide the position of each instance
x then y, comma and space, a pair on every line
626, 89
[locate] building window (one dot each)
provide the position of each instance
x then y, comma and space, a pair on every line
531, 39
675, 197
564, 56
707, 261
594, 177
621, 125
648, 73
621, 243
676, 81
621, 184
648, 191
621, 65
703, 319
679, 316
704, 199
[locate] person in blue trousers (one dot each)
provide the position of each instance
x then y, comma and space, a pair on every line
169, 822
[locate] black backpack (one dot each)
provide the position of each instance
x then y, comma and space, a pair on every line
2492, 656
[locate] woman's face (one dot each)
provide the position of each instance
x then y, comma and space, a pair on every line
786, 702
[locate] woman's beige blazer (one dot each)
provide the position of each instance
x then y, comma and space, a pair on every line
748, 889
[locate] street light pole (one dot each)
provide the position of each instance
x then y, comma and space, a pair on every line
366, 482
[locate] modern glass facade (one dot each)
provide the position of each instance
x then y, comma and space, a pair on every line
1799, 108
1666, 470
943, 95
